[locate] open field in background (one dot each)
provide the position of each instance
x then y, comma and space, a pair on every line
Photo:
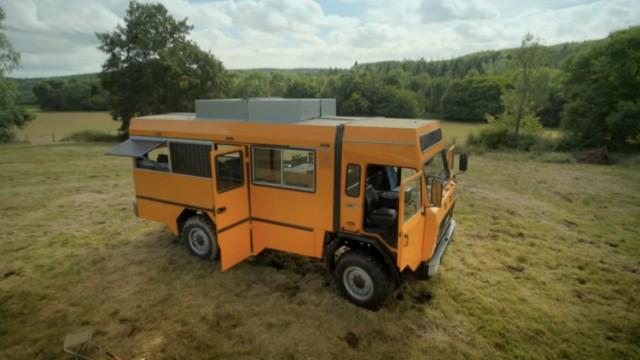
50, 124
62, 124
546, 263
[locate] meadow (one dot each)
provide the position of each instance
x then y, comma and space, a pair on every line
52, 126
545, 264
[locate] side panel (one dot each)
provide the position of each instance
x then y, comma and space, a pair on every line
411, 219
180, 189
294, 209
161, 212
283, 238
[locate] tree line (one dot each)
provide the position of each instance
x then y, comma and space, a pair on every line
464, 89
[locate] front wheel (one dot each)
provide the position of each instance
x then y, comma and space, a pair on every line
362, 279
199, 236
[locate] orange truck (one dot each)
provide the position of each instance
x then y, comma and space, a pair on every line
371, 197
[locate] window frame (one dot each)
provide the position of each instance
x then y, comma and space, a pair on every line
282, 176
346, 182
242, 183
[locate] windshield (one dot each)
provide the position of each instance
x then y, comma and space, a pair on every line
436, 167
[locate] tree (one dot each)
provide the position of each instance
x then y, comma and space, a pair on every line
601, 90
471, 98
303, 87
152, 67
11, 114
525, 97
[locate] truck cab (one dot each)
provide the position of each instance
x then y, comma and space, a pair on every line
372, 198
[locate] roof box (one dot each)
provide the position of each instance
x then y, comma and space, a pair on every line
274, 110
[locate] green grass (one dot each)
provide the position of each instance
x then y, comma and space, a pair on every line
52, 126
544, 265
456, 133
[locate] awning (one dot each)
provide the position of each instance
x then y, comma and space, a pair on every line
134, 147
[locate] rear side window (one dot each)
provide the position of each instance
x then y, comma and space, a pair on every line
156, 159
430, 139
288, 168
229, 171
190, 159
353, 180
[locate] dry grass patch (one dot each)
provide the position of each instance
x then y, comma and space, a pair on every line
56, 125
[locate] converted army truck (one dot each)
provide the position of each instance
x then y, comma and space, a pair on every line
371, 197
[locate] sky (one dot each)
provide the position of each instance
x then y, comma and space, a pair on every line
57, 37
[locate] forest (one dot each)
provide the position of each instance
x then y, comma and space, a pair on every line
464, 88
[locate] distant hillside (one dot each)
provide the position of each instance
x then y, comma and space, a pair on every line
491, 62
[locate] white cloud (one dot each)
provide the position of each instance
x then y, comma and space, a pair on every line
57, 37
445, 10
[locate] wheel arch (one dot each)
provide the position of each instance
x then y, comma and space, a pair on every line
333, 242
188, 213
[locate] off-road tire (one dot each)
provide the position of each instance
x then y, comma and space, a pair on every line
351, 266
199, 236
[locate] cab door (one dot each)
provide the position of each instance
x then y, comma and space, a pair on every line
231, 204
411, 217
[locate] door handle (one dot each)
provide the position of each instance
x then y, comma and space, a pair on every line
406, 239
220, 210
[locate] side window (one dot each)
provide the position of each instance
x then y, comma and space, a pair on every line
267, 165
290, 168
229, 171
190, 159
299, 168
353, 180
436, 167
412, 198
156, 159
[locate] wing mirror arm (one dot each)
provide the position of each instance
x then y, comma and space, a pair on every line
462, 164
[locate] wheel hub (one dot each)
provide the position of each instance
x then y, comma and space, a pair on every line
358, 283
199, 241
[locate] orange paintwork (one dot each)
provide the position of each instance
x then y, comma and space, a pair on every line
284, 219
181, 189
410, 232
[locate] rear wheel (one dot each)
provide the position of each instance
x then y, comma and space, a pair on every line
199, 236
362, 279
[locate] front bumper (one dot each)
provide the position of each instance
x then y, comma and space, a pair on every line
443, 243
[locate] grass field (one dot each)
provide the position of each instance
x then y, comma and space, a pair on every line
546, 264
50, 126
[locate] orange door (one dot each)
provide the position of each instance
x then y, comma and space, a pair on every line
411, 219
231, 202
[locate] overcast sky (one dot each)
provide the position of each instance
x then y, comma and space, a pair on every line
56, 37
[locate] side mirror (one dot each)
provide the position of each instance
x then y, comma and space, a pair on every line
435, 197
462, 166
